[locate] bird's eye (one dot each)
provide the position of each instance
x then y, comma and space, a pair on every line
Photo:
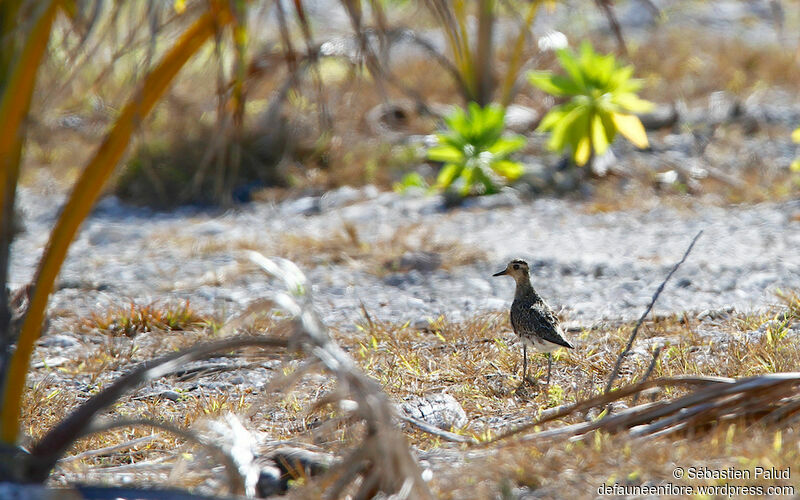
516, 266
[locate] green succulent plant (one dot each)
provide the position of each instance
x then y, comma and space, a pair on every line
410, 181
602, 101
474, 151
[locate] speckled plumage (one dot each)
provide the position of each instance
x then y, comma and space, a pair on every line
532, 319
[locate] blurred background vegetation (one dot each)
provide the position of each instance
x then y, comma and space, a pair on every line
316, 95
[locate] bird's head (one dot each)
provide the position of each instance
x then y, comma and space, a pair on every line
517, 269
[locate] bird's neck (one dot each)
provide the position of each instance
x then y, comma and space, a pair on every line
525, 289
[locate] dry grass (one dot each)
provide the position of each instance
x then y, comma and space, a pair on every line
640, 190
342, 246
578, 468
378, 257
478, 362
674, 68
139, 318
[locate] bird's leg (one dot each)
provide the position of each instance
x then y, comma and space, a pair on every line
549, 366
524, 363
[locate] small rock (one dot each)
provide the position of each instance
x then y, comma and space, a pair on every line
440, 410
536, 176
601, 165
402, 280
413, 302
171, 395
50, 362
507, 197
420, 324
599, 270
565, 181
722, 106
552, 40
680, 145
108, 234
638, 14
112, 206
59, 340
72, 121
426, 141
614, 407
216, 386
710, 314
339, 197
521, 119
668, 178
452, 198
396, 279
208, 229
420, 261
661, 117
308, 205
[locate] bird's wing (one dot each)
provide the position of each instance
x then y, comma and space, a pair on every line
540, 321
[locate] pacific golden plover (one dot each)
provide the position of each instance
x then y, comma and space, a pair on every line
533, 320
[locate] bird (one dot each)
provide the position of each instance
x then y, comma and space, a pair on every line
532, 319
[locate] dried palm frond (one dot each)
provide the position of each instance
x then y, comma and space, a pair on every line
771, 399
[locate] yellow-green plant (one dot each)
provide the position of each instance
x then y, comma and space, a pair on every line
474, 151
601, 101
409, 181
796, 138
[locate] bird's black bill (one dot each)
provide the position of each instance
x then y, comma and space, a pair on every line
504, 271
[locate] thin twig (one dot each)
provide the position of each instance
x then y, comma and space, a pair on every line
608, 10
366, 315
632, 338
155, 465
110, 449
430, 429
